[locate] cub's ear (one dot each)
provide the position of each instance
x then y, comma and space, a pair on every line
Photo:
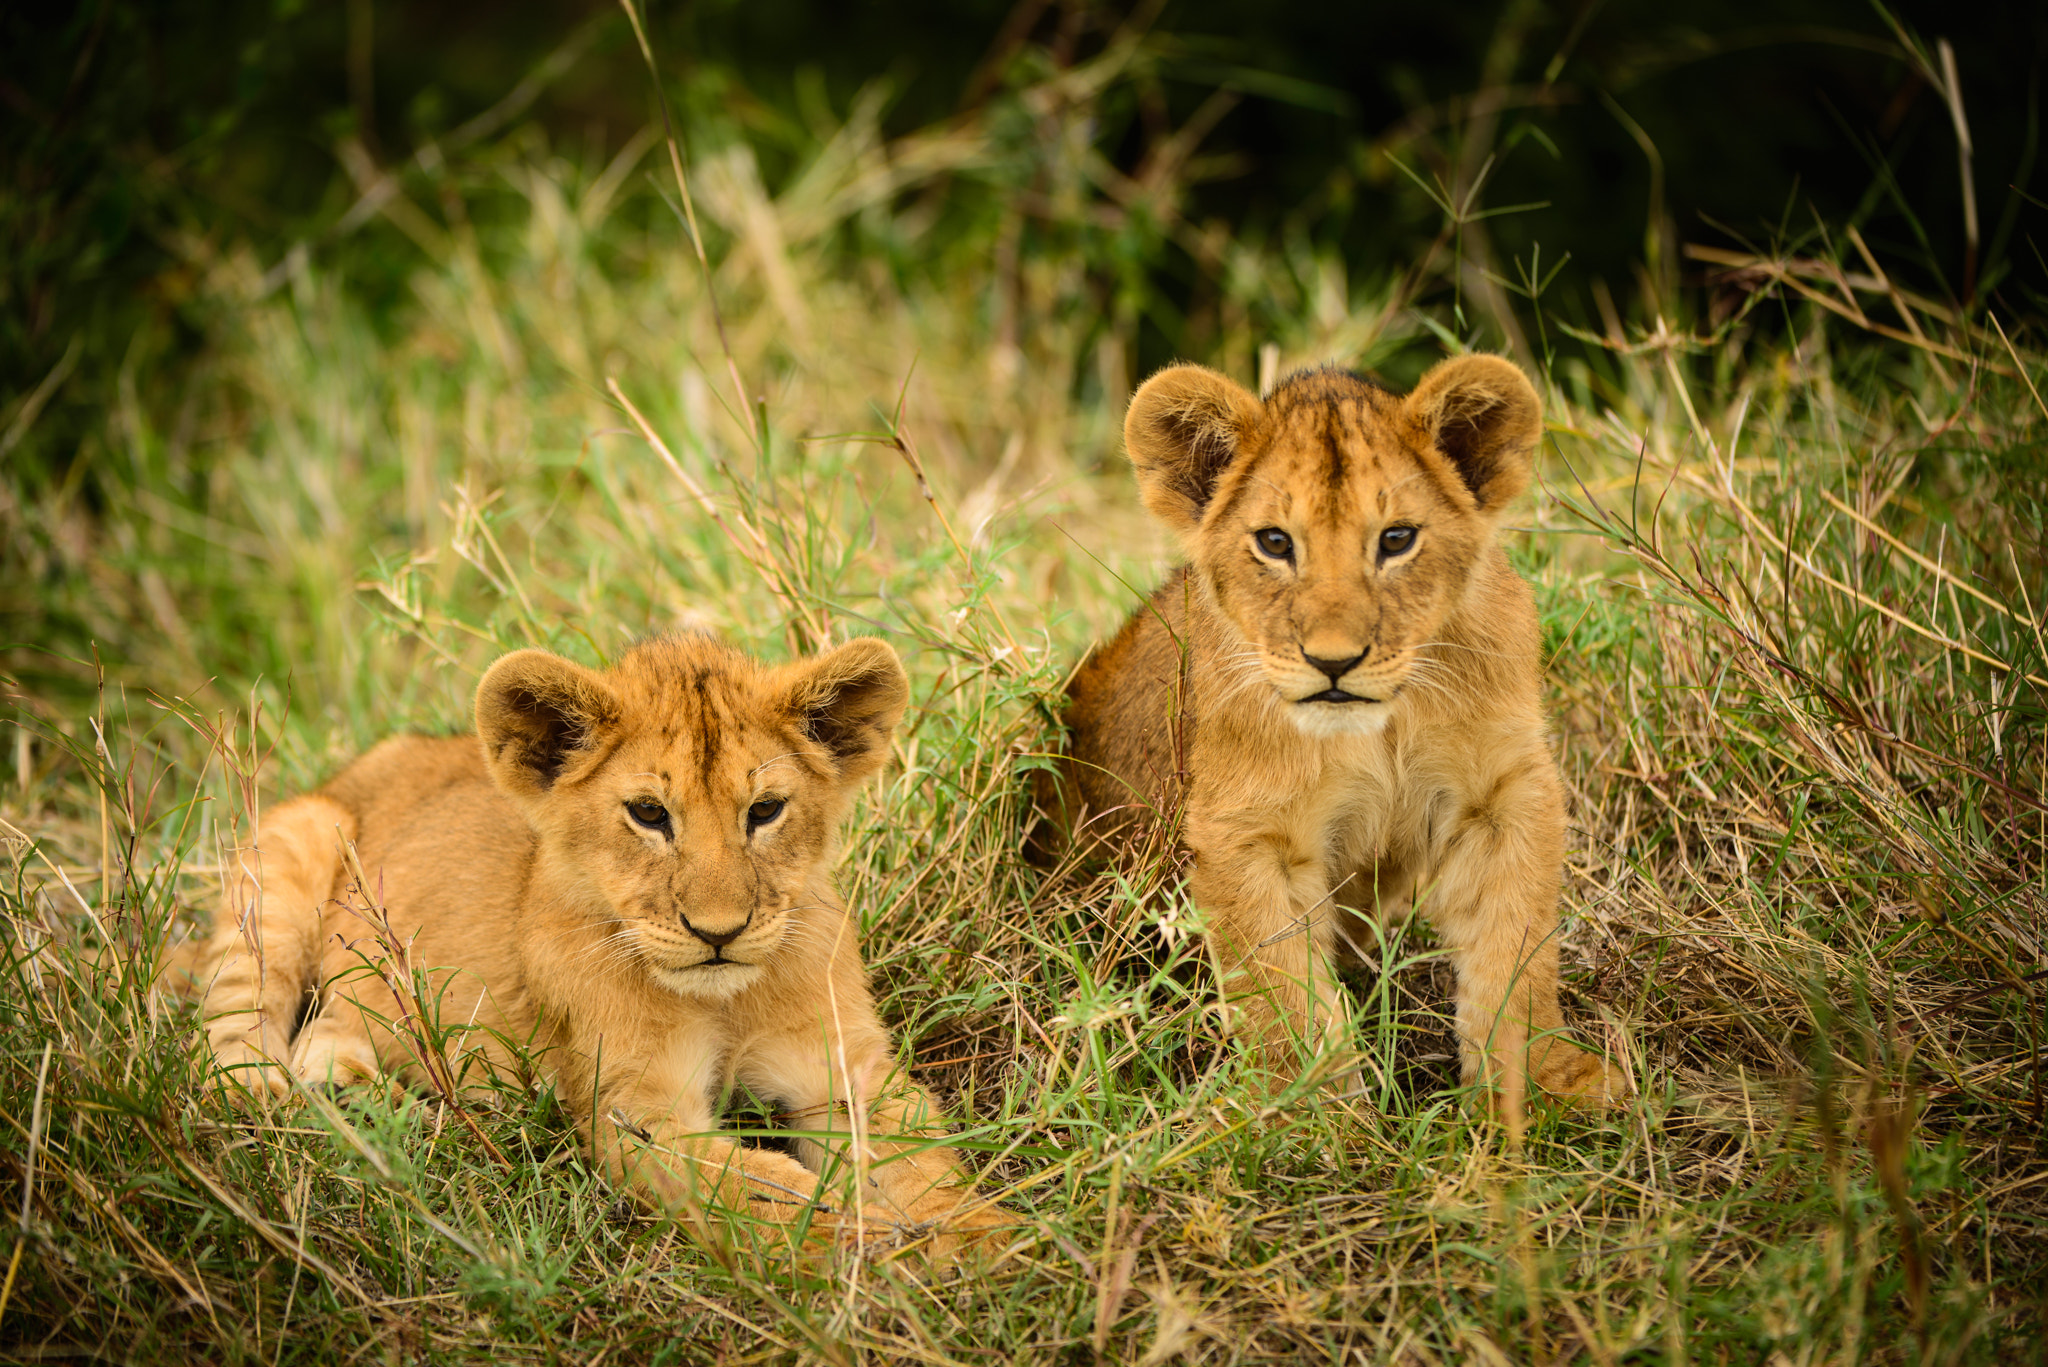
540, 716
1183, 430
849, 701
1482, 414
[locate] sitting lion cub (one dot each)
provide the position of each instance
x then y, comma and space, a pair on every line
628, 870
1340, 695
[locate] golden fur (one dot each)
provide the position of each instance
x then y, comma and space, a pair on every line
1344, 715
650, 961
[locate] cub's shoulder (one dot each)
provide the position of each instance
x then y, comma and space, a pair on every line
406, 770
1148, 643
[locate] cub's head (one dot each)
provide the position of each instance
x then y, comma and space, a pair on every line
1336, 525
691, 796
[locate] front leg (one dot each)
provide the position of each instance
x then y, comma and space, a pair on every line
677, 1162
838, 1079
1271, 920
653, 1133
1495, 904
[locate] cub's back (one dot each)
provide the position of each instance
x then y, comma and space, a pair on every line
444, 850
1123, 703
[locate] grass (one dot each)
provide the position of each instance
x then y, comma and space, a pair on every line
1789, 569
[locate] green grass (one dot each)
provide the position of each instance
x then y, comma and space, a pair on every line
1804, 896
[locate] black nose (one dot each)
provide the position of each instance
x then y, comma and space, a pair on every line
715, 939
1336, 669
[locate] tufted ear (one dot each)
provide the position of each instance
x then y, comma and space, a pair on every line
540, 716
1482, 414
1183, 431
849, 701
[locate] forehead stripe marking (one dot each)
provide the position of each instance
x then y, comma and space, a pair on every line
707, 731
1333, 438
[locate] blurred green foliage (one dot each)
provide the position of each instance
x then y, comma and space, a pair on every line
130, 131
307, 315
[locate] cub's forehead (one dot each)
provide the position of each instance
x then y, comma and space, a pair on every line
1332, 446
698, 709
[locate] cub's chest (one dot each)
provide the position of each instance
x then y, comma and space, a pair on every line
1340, 798
630, 1027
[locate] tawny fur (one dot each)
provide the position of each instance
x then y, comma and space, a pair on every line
1433, 786
545, 915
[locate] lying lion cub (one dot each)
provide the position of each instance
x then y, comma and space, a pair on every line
631, 872
1341, 694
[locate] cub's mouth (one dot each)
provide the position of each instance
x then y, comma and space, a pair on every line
709, 979
1337, 711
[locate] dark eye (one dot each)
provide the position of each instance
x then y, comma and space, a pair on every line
1395, 540
1274, 542
648, 813
764, 811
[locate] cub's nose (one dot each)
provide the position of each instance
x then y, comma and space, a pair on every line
718, 939
1336, 669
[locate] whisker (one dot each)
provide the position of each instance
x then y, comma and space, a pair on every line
1470, 650
1234, 687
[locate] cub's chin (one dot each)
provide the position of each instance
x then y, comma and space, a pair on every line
712, 981
1363, 717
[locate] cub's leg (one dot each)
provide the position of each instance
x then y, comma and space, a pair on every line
1495, 904
1271, 925
841, 1078
678, 1163
340, 1045
654, 1134
365, 1032
266, 940
334, 1050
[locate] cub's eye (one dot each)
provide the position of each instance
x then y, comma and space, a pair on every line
1274, 542
1396, 540
648, 813
764, 811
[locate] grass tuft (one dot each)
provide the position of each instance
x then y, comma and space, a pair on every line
1790, 572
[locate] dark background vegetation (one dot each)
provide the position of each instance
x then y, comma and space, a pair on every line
1629, 126
283, 464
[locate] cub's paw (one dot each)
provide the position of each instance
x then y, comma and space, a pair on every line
819, 1241
333, 1055
968, 1236
245, 1076
1584, 1080
973, 1235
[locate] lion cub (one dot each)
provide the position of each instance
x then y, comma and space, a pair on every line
1339, 695
629, 871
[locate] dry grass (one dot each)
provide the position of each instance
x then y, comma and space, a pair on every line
1790, 579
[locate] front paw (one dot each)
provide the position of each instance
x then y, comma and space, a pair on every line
963, 1233
973, 1234
245, 1076
1583, 1079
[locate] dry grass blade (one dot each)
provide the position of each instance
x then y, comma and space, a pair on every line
1794, 274
1939, 571
1013, 657
675, 161
1798, 719
1849, 591
2018, 365
752, 546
